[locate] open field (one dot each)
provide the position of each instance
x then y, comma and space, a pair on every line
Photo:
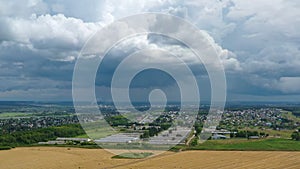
75, 158
272, 133
98, 129
270, 144
15, 114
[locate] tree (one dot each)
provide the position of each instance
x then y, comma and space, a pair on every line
198, 128
194, 142
145, 134
296, 136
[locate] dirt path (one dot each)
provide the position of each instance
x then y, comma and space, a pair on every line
189, 140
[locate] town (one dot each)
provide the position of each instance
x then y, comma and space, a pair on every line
170, 127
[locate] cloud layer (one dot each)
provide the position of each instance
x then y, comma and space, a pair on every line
258, 43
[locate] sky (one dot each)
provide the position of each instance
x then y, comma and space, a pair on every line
258, 42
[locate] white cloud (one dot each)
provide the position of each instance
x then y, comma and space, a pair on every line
55, 34
228, 59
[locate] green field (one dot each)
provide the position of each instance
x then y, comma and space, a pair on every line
290, 116
271, 144
96, 130
14, 114
272, 133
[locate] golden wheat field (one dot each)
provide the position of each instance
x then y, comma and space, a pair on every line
77, 158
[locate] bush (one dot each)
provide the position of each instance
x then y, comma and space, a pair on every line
296, 136
194, 142
5, 148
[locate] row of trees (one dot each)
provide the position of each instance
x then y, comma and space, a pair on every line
153, 131
116, 120
38, 135
247, 134
163, 122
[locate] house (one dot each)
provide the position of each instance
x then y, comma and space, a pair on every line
218, 136
222, 131
253, 137
81, 140
52, 142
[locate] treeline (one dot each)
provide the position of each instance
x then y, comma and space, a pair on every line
154, 130
247, 134
43, 134
117, 120
163, 122
294, 110
5, 148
